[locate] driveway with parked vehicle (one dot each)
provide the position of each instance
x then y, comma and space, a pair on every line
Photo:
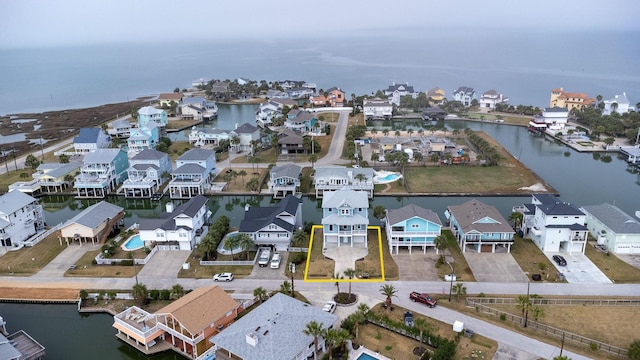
579, 269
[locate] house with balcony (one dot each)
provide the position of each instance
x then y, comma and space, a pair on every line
412, 226
464, 94
490, 98
91, 139
197, 108
273, 225
619, 104
570, 100
180, 228
144, 138
555, 118
480, 227
299, 92
554, 225
148, 171
147, 114
433, 113
345, 218
300, 121
21, 217
436, 96
48, 178
207, 136
396, 91
194, 172
168, 100
331, 178
377, 109
93, 224
290, 142
102, 171
266, 112
618, 231
273, 331
246, 134
120, 129
332, 97
184, 326
284, 180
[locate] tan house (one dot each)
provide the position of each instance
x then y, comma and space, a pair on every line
167, 98
94, 224
333, 97
436, 96
185, 326
569, 100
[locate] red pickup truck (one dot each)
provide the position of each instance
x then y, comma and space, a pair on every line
423, 298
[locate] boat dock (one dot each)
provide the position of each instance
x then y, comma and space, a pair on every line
19, 345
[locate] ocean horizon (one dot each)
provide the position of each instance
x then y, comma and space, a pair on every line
524, 66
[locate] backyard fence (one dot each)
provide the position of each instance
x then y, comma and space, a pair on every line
230, 262
101, 260
542, 301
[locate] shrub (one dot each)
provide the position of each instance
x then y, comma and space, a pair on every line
126, 262
154, 294
165, 294
112, 294
298, 258
83, 294
94, 262
388, 347
593, 346
503, 316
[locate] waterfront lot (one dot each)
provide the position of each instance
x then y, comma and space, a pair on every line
496, 267
29, 260
532, 260
618, 269
579, 269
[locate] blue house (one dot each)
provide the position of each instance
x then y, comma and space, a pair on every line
147, 173
412, 226
90, 139
194, 172
345, 217
479, 225
101, 173
300, 121
144, 138
149, 113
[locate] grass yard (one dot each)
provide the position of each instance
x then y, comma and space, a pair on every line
86, 268
181, 124
198, 271
238, 185
463, 271
532, 260
306, 180
269, 156
319, 266
29, 260
614, 268
178, 148
371, 263
13, 176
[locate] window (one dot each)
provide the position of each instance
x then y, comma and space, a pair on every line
415, 226
345, 211
330, 227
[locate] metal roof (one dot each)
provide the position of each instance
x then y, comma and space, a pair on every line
614, 218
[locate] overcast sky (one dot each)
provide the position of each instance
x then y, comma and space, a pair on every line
33, 23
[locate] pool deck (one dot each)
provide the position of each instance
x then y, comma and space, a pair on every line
124, 245
355, 354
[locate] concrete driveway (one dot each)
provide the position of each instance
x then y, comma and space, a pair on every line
416, 266
631, 259
579, 269
495, 267
267, 273
164, 264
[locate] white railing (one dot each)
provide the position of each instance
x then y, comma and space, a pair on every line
37, 238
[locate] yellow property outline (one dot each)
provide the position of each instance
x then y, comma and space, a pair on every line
306, 267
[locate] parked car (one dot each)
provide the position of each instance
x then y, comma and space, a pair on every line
423, 298
265, 256
450, 277
275, 261
560, 260
226, 276
330, 307
408, 319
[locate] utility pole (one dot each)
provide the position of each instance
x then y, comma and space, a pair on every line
14, 158
562, 344
527, 305
451, 280
292, 270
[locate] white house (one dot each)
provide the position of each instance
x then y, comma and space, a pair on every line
20, 218
207, 136
90, 139
273, 225
330, 178
556, 118
613, 228
465, 95
246, 133
345, 218
490, 98
619, 104
180, 228
377, 109
554, 225
396, 91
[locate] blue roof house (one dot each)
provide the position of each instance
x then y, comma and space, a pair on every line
90, 139
412, 226
103, 170
148, 170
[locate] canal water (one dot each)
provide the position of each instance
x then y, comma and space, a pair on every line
580, 178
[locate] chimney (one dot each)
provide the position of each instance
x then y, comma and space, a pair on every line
169, 207
252, 339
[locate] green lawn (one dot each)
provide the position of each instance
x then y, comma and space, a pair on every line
29, 260
463, 271
531, 259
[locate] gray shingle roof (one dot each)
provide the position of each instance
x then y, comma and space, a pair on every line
277, 326
257, 218
468, 213
14, 201
355, 199
96, 214
614, 218
62, 169
197, 154
411, 211
167, 220
189, 169
149, 154
288, 170
87, 136
101, 156
245, 128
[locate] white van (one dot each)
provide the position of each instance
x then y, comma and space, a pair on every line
265, 256
275, 261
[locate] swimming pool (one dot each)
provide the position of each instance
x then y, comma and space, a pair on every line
134, 243
223, 251
390, 177
366, 354
385, 177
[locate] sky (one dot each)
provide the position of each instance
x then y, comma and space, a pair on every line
40, 23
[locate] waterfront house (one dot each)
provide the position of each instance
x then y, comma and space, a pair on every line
220, 88
19, 345
490, 98
149, 113
177, 229
299, 92
120, 129
102, 171
142, 138
412, 226
290, 142
377, 109
329, 178
266, 112
275, 93
197, 108
246, 134
570, 100
556, 118
273, 331
194, 172
465, 95
95, 223
619, 104
300, 121
618, 231
433, 113
289, 84
436, 96
49, 177
148, 171
396, 91
90, 139
284, 180
21, 217
332, 97
479, 226
554, 225
207, 136
200, 82
184, 326
273, 225
168, 100
345, 217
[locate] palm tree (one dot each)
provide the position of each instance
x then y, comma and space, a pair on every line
139, 294
260, 293
516, 217
397, 133
177, 291
285, 288
245, 241
379, 212
440, 242
313, 158
422, 325
360, 316
230, 244
388, 291
374, 131
385, 132
315, 330
349, 273
299, 237
417, 156
235, 140
375, 156
459, 290
208, 245
360, 177
330, 336
420, 132
338, 277
234, 174
523, 304
242, 173
410, 132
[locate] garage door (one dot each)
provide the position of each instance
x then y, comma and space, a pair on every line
627, 248
486, 248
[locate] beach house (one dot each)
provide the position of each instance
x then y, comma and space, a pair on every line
490, 98
142, 138
194, 172
207, 136
619, 104
245, 134
120, 129
102, 171
332, 97
93, 224
148, 171
21, 216
300, 121
180, 228
284, 180
345, 218
149, 113
290, 142
49, 177
90, 139
464, 94
412, 226
436, 96
396, 91
377, 109
168, 100
555, 118
273, 225
273, 331
480, 227
618, 231
569, 100
330, 178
